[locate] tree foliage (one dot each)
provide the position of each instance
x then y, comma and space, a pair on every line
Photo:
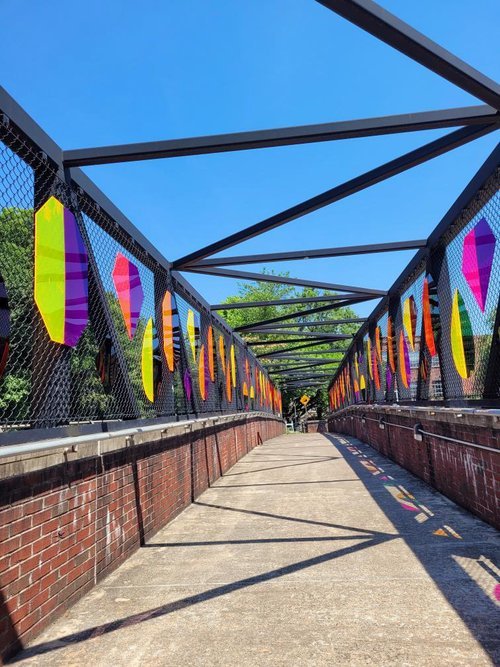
267, 291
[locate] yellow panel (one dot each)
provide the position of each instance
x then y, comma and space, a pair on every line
191, 332
147, 361
50, 267
457, 342
233, 366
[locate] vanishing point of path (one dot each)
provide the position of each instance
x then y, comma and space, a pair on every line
312, 550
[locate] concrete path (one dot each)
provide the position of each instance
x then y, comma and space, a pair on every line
312, 550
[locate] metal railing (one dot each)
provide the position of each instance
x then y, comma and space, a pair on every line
94, 324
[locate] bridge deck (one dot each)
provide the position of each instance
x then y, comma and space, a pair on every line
312, 550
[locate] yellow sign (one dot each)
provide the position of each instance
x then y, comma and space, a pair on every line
304, 399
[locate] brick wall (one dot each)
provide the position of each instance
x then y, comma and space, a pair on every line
467, 475
67, 520
316, 426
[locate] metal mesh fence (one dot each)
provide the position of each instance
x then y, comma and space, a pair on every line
439, 338
92, 327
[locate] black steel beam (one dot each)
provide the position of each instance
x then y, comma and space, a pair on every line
317, 253
309, 323
285, 356
286, 136
385, 26
283, 280
366, 180
303, 373
303, 313
289, 341
292, 349
274, 370
284, 302
308, 334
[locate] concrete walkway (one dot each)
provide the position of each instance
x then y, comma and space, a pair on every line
312, 550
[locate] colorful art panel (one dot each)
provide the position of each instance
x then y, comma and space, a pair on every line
232, 353
211, 353
404, 361
410, 319
61, 273
477, 260
150, 362
191, 331
188, 385
222, 353
391, 345
428, 318
462, 340
203, 373
127, 282
171, 331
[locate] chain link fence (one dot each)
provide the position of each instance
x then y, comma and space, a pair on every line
93, 328
436, 338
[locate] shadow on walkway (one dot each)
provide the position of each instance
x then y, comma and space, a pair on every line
461, 565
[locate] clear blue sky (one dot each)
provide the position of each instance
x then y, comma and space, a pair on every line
98, 73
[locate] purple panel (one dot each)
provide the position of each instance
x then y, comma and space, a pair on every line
188, 385
388, 377
76, 288
477, 260
136, 295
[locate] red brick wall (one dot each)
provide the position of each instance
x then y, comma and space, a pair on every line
316, 426
65, 527
467, 475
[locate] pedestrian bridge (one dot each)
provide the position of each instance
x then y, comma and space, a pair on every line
313, 549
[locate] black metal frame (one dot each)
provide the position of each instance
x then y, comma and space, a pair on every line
474, 122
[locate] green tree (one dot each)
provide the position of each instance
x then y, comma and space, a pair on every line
266, 291
16, 269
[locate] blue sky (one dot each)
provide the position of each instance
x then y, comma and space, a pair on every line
99, 73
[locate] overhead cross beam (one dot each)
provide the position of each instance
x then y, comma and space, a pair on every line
323, 339
366, 180
304, 313
317, 253
298, 347
283, 280
311, 334
286, 302
286, 136
310, 323
273, 370
281, 357
385, 26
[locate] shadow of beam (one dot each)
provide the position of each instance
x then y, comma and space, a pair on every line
270, 540
319, 481
183, 603
282, 517
290, 465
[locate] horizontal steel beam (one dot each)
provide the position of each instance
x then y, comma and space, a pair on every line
289, 341
295, 359
276, 371
283, 302
286, 136
317, 253
303, 373
388, 28
354, 185
283, 280
308, 334
304, 313
293, 349
309, 323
